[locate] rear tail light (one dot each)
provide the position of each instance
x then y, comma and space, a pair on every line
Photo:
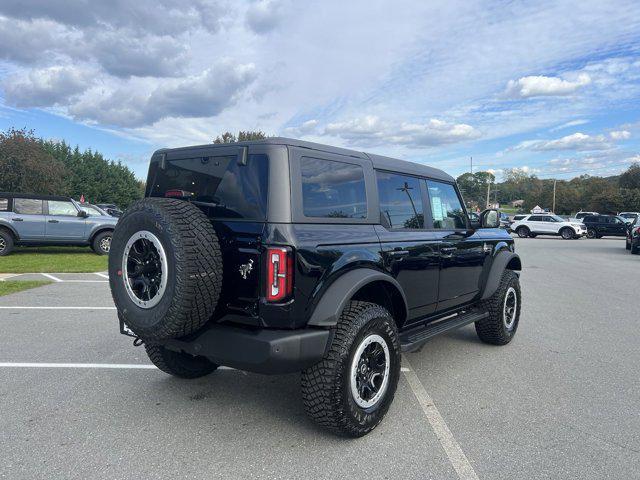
279, 273
637, 231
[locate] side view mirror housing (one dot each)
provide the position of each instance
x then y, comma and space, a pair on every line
490, 218
83, 214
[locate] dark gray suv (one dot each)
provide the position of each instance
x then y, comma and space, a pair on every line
27, 219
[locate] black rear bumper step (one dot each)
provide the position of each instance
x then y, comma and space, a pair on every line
412, 339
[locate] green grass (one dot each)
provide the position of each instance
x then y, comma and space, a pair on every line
9, 287
52, 260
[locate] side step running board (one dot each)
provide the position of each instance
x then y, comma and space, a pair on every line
413, 339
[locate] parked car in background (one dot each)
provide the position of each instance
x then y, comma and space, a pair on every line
580, 215
538, 224
110, 208
633, 237
629, 217
36, 220
605, 225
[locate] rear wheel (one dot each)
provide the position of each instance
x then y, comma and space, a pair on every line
6, 242
523, 232
635, 249
351, 389
500, 326
179, 364
627, 244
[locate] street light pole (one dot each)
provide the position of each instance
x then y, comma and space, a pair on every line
553, 209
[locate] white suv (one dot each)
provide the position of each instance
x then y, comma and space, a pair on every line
548, 224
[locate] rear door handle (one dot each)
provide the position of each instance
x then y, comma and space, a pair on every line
448, 250
54, 221
16, 219
398, 252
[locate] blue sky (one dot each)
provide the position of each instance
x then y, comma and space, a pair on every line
552, 88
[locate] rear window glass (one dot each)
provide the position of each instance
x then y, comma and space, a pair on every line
220, 186
332, 189
4, 204
400, 200
27, 206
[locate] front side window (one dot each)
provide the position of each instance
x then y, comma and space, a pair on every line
62, 208
332, 189
446, 207
400, 200
27, 206
535, 218
220, 186
90, 210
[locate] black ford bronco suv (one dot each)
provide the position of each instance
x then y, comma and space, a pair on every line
280, 256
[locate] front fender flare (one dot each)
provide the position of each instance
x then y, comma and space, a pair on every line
341, 291
503, 260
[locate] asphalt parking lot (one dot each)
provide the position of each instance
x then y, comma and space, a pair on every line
77, 400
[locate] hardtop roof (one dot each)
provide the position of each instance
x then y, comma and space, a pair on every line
34, 196
378, 161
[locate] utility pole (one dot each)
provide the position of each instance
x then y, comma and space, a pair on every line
471, 165
553, 209
488, 193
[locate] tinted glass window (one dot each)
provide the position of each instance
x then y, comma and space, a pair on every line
4, 204
535, 218
218, 185
332, 189
446, 208
62, 208
519, 217
400, 200
590, 218
27, 206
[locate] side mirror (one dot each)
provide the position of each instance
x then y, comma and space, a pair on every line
490, 219
83, 214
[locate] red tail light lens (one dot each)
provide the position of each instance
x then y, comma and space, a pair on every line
637, 231
279, 273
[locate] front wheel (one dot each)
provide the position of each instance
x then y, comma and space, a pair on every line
567, 234
351, 389
102, 243
503, 306
179, 364
591, 233
523, 232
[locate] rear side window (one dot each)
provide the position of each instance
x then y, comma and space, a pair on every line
62, 208
220, 186
518, 217
332, 189
446, 208
400, 200
535, 218
27, 206
4, 204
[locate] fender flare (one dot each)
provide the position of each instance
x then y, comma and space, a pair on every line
504, 259
98, 230
340, 292
11, 230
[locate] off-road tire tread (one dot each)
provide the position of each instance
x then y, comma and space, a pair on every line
197, 262
179, 364
491, 329
322, 392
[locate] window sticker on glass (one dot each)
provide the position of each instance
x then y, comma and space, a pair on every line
436, 208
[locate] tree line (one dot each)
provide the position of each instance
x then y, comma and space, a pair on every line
591, 193
29, 164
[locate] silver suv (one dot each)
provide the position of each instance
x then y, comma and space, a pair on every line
51, 220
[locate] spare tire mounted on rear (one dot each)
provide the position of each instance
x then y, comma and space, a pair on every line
165, 268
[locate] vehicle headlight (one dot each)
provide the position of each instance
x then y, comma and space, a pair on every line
576, 225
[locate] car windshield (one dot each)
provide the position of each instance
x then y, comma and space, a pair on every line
91, 210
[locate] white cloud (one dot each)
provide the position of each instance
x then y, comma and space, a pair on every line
620, 135
577, 141
204, 95
46, 87
264, 15
538, 85
572, 123
372, 130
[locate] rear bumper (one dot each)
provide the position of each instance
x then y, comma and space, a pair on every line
257, 350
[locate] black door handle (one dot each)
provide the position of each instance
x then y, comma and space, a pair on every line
448, 250
16, 219
398, 252
54, 221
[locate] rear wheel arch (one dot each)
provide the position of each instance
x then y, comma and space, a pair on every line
10, 231
364, 284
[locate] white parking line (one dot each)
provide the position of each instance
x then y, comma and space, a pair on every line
51, 277
17, 307
451, 447
103, 275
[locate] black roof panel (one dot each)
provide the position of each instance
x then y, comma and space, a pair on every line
34, 196
378, 161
